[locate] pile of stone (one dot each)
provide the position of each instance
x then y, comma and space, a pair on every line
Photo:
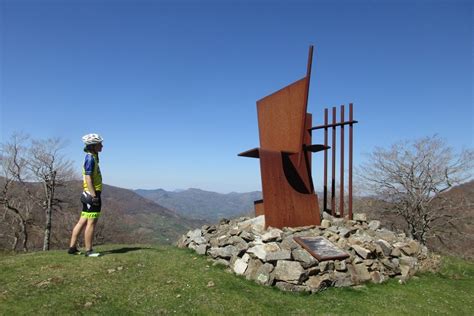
271, 256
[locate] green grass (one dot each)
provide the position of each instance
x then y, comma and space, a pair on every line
166, 280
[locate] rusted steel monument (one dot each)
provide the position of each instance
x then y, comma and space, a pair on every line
289, 199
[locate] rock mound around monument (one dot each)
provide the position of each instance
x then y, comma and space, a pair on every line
272, 257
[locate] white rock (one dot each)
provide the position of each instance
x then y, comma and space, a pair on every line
359, 239
201, 249
264, 275
396, 252
325, 223
361, 251
386, 247
344, 232
360, 217
289, 243
246, 257
253, 266
408, 261
328, 216
340, 265
258, 251
271, 235
199, 240
257, 240
194, 233
271, 247
405, 271
412, 248
262, 251
246, 236
362, 273
278, 255
326, 266
357, 260
257, 223
386, 234
342, 279
304, 257
227, 252
374, 225
181, 243
289, 271
240, 266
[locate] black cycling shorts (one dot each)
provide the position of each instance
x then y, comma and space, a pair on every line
89, 209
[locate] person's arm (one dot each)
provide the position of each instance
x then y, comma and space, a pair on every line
89, 165
90, 186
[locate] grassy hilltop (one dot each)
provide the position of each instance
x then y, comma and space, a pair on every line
138, 279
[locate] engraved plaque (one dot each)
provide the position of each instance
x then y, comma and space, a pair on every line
321, 248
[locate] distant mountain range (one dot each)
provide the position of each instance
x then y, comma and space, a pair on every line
149, 216
144, 218
126, 218
204, 205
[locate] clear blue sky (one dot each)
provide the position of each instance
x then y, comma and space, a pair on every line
172, 85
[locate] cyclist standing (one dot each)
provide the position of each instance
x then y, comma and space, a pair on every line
90, 198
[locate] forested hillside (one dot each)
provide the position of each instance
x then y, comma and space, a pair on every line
204, 205
453, 238
126, 217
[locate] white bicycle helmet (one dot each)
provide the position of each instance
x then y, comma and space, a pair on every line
91, 139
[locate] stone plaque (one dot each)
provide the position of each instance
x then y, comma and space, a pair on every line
321, 248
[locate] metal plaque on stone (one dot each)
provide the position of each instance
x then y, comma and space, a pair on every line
321, 248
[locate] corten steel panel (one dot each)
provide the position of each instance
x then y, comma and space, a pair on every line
285, 206
259, 209
281, 118
302, 160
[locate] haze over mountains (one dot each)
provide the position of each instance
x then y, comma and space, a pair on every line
204, 205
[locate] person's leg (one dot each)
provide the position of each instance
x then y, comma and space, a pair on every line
89, 233
77, 231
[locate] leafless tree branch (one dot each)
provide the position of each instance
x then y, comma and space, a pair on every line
413, 176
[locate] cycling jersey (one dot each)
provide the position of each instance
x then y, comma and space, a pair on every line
91, 168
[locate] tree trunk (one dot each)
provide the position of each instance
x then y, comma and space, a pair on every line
47, 230
25, 236
15, 242
23, 228
49, 190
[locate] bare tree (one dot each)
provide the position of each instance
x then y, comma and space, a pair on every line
413, 176
26, 164
14, 202
50, 168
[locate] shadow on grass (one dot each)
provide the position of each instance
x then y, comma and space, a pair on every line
124, 250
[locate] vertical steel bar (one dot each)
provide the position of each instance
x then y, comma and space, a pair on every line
351, 117
308, 79
341, 174
310, 63
325, 195
333, 179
